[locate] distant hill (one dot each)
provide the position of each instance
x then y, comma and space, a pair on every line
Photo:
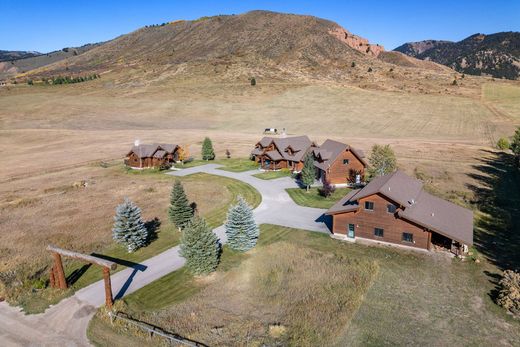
497, 54
12, 55
12, 67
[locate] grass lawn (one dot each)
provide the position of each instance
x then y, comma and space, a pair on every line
312, 198
271, 175
232, 164
167, 237
277, 268
436, 298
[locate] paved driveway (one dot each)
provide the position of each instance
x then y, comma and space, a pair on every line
65, 324
277, 207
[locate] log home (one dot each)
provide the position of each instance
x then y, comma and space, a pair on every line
145, 156
282, 153
339, 164
395, 208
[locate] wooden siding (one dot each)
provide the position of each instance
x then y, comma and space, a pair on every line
339, 173
133, 160
365, 222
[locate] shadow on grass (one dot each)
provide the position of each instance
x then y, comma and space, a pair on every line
135, 266
152, 226
497, 230
326, 219
76, 274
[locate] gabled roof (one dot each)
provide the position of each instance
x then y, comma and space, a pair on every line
441, 216
330, 150
149, 150
417, 206
159, 154
298, 144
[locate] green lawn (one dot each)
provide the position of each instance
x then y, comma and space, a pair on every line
436, 298
167, 237
232, 164
271, 175
312, 198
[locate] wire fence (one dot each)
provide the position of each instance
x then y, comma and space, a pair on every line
154, 330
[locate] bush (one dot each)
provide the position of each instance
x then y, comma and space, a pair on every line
515, 143
353, 64
253, 81
454, 83
327, 190
30, 82
503, 143
509, 295
369, 69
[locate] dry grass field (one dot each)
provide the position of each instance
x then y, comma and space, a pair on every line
54, 136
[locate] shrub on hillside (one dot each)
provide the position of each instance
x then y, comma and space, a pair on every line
509, 296
503, 143
353, 64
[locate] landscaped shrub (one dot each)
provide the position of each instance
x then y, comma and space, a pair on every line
200, 247
509, 296
241, 229
503, 143
129, 228
326, 190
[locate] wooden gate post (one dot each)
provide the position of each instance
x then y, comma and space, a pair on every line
109, 300
52, 279
62, 282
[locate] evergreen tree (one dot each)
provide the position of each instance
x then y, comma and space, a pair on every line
180, 211
200, 247
129, 228
207, 149
308, 174
382, 160
241, 229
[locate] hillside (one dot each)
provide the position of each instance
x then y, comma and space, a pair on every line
497, 54
12, 55
267, 45
26, 62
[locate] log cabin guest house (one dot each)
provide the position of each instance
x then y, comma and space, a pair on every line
143, 156
339, 164
395, 209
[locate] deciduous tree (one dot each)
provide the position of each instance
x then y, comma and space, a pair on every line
382, 160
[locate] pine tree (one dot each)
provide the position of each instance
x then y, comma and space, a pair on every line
207, 149
241, 229
180, 211
515, 142
129, 228
200, 247
308, 174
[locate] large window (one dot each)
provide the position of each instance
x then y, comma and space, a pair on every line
369, 205
378, 232
390, 208
407, 237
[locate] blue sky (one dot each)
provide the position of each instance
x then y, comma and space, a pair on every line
50, 25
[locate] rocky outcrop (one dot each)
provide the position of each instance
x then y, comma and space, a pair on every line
358, 43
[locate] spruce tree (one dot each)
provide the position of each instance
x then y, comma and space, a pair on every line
180, 211
129, 228
207, 149
308, 173
241, 229
200, 247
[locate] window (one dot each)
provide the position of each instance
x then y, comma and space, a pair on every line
369, 205
407, 237
345, 161
390, 208
378, 232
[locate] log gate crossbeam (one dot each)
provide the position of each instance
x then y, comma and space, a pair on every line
57, 275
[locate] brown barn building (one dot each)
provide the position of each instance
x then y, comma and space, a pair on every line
152, 155
395, 208
339, 164
282, 153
